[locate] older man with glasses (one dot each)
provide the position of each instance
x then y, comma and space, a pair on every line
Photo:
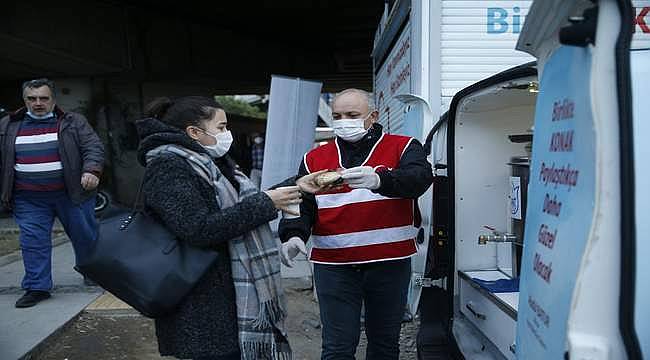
50, 164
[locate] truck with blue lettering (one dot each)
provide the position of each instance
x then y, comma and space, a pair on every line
537, 225
424, 52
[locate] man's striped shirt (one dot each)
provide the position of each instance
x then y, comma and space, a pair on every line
38, 163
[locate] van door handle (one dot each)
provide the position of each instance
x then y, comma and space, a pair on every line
477, 314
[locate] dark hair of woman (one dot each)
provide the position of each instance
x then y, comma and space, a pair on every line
182, 112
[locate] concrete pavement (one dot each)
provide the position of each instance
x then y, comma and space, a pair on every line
21, 330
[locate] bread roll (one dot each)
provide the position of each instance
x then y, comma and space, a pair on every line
328, 178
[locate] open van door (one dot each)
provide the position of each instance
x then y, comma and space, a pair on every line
547, 237
635, 190
635, 271
578, 280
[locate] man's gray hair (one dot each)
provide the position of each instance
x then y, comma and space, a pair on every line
368, 96
36, 83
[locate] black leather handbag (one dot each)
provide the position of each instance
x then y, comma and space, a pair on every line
137, 259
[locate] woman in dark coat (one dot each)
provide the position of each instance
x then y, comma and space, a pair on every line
205, 324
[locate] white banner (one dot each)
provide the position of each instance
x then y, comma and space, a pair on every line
290, 127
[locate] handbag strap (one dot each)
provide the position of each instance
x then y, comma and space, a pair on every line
138, 207
138, 204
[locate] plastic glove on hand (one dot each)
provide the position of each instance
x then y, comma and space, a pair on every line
361, 177
291, 249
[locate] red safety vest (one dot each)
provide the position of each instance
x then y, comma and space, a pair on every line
357, 225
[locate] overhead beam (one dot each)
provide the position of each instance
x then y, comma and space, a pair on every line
32, 54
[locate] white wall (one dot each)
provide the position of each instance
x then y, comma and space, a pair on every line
478, 40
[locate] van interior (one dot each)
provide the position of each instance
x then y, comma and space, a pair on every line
491, 137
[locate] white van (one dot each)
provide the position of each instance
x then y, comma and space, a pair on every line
424, 52
538, 220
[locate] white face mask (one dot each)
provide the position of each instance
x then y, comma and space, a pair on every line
40, 117
224, 141
351, 130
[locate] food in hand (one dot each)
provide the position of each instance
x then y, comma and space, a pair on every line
330, 178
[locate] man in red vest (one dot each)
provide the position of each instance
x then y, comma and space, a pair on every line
362, 232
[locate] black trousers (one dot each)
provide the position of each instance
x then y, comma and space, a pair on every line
342, 289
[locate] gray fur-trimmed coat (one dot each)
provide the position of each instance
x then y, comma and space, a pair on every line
205, 323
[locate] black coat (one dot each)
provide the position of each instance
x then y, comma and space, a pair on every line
205, 323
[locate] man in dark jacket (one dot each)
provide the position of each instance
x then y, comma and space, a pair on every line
50, 164
363, 231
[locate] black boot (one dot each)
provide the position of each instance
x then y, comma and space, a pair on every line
31, 298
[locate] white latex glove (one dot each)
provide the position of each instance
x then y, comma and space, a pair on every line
291, 249
361, 177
